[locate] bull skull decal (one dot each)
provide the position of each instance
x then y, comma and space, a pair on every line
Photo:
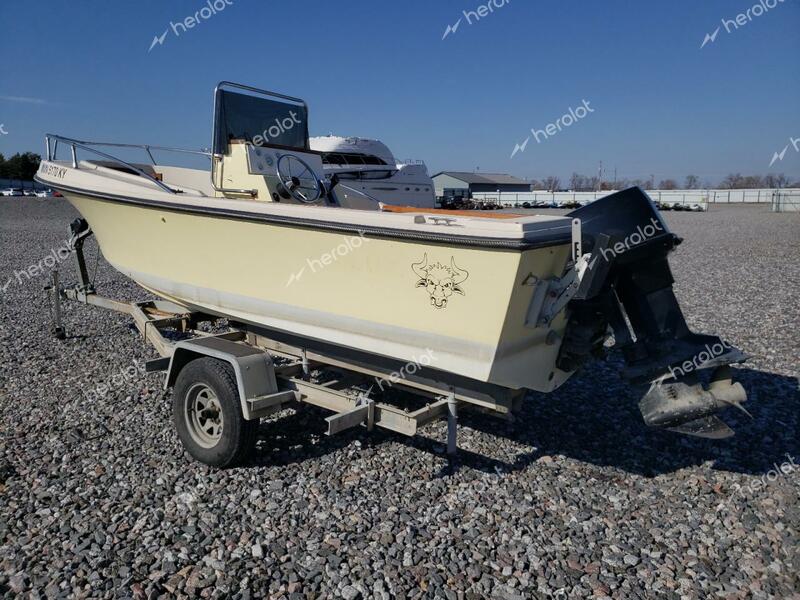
440, 281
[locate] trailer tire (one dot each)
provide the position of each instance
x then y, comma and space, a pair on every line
207, 414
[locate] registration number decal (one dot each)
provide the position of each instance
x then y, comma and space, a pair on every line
53, 170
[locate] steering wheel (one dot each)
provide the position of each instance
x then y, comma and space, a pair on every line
299, 179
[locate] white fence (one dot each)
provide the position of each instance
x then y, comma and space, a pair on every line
754, 196
686, 197
786, 201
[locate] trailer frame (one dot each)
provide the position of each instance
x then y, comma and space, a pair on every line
272, 374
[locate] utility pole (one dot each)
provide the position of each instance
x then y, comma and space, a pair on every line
599, 176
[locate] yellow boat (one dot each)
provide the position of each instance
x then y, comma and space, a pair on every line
264, 237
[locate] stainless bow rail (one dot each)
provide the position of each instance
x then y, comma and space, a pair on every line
52, 152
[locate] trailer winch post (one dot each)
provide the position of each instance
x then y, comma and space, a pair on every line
79, 233
54, 289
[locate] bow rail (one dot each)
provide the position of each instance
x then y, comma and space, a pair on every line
52, 152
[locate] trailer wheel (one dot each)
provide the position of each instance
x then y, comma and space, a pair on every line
208, 416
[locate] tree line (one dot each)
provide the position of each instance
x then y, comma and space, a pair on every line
734, 181
20, 166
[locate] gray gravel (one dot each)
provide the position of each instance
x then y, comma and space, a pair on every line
577, 498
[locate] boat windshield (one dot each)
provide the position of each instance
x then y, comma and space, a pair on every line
260, 121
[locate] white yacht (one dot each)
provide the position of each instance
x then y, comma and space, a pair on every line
370, 167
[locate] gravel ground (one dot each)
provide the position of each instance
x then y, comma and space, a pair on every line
576, 498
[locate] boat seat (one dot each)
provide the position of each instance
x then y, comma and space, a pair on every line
448, 213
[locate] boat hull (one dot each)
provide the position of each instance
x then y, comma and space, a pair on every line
356, 291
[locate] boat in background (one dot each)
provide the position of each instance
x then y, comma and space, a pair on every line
370, 167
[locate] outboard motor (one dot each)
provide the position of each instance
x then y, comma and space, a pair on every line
627, 285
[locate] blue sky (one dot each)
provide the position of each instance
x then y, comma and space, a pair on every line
662, 105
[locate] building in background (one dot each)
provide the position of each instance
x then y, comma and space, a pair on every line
459, 185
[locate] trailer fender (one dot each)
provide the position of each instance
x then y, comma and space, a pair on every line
254, 370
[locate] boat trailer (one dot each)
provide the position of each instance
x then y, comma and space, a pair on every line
247, 372
247, 366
